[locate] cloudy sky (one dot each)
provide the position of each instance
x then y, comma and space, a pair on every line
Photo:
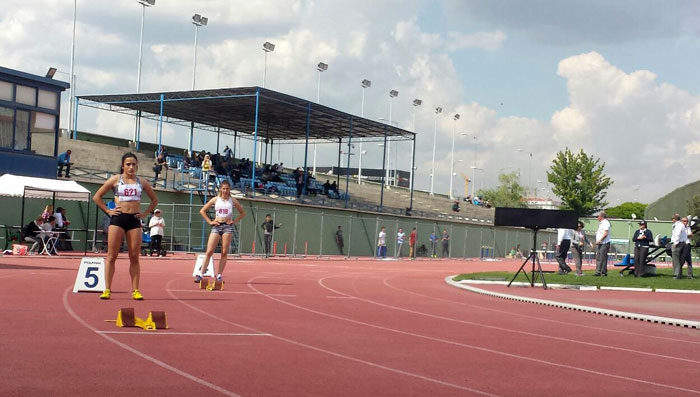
618, 79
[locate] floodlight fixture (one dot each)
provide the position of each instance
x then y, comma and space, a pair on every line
322, 67
456, 117
147, 3
199, 20
366, 83
438, 110
268, 47
52, 71
417, 102
393, 93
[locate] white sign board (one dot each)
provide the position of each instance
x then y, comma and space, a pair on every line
198, 265
91, 275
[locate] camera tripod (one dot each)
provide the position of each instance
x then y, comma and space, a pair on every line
535, 261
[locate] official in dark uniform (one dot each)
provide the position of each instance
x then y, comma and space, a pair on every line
642, 238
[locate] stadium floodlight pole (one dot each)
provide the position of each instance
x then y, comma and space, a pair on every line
365, 84
438, 110
392, 94
529, 184
144, 3
321, 67
266, 47
416, 103
71, 94
197, 21
452, 157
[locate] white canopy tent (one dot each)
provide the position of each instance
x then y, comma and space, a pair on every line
42, 188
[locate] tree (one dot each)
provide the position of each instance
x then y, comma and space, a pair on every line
508, 194
579, 181
625, 210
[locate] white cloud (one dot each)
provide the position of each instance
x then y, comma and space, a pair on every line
485, 40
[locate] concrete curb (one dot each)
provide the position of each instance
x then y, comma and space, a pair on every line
589, 309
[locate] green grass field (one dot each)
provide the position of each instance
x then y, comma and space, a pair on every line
662, 280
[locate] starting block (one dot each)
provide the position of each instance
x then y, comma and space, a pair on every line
211, 284
126, 317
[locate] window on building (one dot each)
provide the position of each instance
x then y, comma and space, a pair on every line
42, 122
6, 123
6, 91
48, 100
21, 129
26, 95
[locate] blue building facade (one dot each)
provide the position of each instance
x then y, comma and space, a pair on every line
29, 104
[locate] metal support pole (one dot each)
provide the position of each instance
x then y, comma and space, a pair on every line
451, 247
347, 169
306, 149
218, 136
235, 135
320, 244
381, 199
255, 139
413, 174
75, 126
294, 237
172, 228
376, 237
340, 150
349, 238
466, 233
194, 63
160, 124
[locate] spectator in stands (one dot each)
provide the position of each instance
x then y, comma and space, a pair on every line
64, 161
412, 239
219, 168
206, 167
334, 188
31, 234
326, 187
228, 153
445, 244
62, 224
186, 161
400, 236
339, 239
157, 229
455, 206
433, 244
158, 166
299, 181
381, 243
268, 227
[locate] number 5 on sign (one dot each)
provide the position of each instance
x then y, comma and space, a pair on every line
91, 275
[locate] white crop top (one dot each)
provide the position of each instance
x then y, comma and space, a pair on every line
128, 191
223, 208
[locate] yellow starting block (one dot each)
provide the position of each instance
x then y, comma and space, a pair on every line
211, 284
126, 317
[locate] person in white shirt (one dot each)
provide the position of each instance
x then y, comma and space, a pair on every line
602, 245
381, 243
679, 239
563, 244
686, 258
399, 242
157, 226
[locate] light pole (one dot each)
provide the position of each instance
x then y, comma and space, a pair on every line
452, 157
529, 183
197, 21
267, 47
392, 94
416, 102
144, 3
365, 84
321, 67
438, 110
475, 168
71, 94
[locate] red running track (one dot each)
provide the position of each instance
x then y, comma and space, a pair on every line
321, 327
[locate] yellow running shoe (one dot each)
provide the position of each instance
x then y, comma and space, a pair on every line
137, 295
106, 294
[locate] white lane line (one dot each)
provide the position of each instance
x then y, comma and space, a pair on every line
635, 334
228, 292
181, 333
339, 297
329, 352
494, 327
139, 353
484, 349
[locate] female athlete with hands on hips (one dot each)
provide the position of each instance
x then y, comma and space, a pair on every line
125, 220
222, 227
